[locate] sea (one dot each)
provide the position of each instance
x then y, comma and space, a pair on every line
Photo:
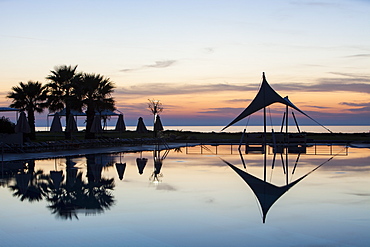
293, 128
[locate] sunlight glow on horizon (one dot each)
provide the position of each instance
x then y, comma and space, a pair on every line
200, 59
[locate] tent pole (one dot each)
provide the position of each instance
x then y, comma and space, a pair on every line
287, 148
282, 123
286, 120
264, 144
296, 162
296, 123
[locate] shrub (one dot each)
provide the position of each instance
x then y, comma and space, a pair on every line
6, 126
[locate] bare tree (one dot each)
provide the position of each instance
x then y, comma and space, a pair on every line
155, 107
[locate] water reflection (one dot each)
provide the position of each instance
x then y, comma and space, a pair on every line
76, 195
267, 193
29, 185
158, 163
120, 167
92, 197
71, 192
67, 196
82, 188
200, 196
141, 163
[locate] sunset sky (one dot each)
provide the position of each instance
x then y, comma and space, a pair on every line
202, 59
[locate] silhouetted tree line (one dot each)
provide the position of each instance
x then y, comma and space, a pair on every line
66, 89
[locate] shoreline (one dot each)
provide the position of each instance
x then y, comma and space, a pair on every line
49, 145
10, 157
15, 157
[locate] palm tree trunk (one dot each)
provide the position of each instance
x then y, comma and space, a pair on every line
31, 122
90, 114
67, 135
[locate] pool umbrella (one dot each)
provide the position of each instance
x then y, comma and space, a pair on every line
71, 124
56, 126
141, 128
22, 125
158, 124
96, 125
120, 126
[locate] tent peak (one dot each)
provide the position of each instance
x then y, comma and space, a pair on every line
265, 97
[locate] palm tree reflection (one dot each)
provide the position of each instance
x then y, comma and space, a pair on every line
30, 185
76, 195
90, 198
67, 195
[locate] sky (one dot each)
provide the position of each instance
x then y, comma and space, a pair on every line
202, 59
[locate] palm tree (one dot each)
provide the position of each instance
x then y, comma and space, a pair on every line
63, 79
94, 92
29, 97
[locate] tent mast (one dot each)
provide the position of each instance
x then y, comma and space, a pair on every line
264, 143
264, 130
287, 140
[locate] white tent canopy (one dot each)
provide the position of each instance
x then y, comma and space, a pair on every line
3, 109
62, 113
265, 97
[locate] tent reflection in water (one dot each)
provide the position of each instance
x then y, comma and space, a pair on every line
266, 193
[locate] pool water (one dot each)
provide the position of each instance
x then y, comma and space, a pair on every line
188, 197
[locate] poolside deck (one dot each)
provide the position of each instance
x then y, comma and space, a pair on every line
6, 157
